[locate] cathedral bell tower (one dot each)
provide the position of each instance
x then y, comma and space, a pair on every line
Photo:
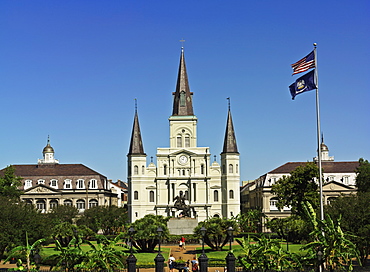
136, 166
230, 172
183, 122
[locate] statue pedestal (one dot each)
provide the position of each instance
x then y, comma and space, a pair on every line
182, 225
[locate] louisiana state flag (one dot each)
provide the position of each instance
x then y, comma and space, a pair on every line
303, 84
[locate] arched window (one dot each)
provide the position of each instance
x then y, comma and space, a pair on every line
151, 196
179, 141
273, 203
143, 170
202, 169
231, 168
187, 141
93, 203
40, 204
136, 195
215, 196
237, 168
67, 202
80, 204
231, 194
136, 170
53, 204
165, 170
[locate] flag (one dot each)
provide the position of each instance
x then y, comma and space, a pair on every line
304, 64
303, 84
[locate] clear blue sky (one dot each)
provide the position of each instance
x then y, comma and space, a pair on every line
72, 69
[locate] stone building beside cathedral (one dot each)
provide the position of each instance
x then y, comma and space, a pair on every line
210, 189
339, 178
48, 184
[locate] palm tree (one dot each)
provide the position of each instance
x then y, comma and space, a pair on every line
104, 255
338, 251
25, 251
68, 256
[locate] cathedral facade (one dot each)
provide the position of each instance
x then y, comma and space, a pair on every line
183, 170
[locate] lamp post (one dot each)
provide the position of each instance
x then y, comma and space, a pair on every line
319, 259
287, 238
203, 259
131, 260
159, 259
230, 258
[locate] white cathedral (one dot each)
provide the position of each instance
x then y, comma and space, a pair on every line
183, 168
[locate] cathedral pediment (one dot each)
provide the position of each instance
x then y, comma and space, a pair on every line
41, 189
184, 151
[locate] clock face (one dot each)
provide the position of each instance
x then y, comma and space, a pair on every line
183, 159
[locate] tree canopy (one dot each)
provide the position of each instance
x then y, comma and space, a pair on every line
145, 237
298, 188
354, 213
216, 235
363, 176
109, 219
17, 218
9, 183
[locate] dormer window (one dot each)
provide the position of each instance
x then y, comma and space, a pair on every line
41, 181
68, 184
54, 183
80, 184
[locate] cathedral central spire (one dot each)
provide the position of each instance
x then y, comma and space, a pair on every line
182, 97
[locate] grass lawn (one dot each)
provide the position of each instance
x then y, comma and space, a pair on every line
143, 259
237, 250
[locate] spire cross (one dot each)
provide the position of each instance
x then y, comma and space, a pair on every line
182, 43
135, 105
228, 101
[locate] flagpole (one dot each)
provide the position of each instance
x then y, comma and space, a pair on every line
318, 136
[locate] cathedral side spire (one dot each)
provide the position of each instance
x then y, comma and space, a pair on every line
230, 145
136, 144
182, 100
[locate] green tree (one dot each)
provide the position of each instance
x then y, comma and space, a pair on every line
64, 232
145, 237
9, 183
17, 218
293, 228
67, 257
104, 255
62, 213
262, 253
216, 235
328, 237
363, 176
298, 188
353, 211
25, 251
250, 221
109, 219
